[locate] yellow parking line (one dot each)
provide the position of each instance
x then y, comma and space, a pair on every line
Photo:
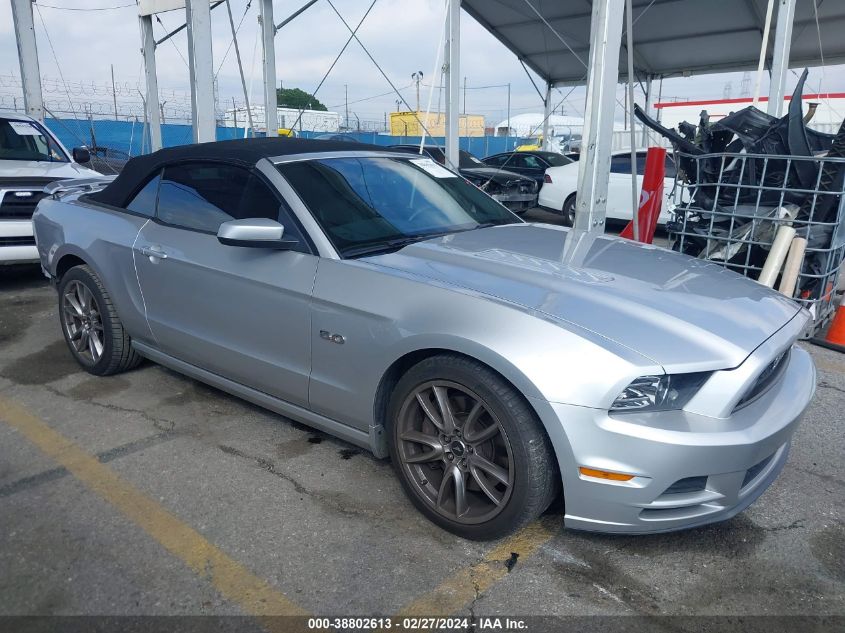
467, 583
231, 579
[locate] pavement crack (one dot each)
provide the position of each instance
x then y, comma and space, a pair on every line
162, 424
270, 467
823, 384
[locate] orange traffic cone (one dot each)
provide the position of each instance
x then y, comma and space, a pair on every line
835, 337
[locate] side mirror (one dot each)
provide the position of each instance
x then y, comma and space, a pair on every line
254, 233
81, 155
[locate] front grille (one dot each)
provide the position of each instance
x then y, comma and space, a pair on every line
18, 207
751, 473
766, 379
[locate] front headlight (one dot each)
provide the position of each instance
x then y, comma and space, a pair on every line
659, 393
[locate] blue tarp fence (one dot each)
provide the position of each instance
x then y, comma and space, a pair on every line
131, 138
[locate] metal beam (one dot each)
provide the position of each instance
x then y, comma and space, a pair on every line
594, 165
453, 81
33, 100
295, 14
201, 68
648, 108
780, 56
148, 50
547, 113
179, 29
268, 48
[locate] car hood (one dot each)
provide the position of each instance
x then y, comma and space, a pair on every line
27, 169
682, 313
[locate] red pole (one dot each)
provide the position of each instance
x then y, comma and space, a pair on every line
651, 196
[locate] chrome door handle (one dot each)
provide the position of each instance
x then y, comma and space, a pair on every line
152, 252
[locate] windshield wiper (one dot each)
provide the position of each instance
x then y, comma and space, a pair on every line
390, 246
398, 243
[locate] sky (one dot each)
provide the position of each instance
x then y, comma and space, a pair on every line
78, 48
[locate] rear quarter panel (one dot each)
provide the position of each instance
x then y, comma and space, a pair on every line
103, 239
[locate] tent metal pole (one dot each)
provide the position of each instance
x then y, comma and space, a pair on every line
151, 103
201, 68
649, 106
602, 77
453, 82
547, 113
780, 56
268, 48
33, 101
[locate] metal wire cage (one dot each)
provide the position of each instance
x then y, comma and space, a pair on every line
728, 208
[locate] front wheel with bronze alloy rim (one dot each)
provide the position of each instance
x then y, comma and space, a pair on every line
469, 451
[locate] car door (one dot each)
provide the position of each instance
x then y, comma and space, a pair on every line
619, 185
242, 313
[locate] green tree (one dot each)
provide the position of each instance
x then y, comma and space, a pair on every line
296, 98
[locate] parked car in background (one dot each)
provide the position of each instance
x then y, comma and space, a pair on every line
107, 160
532, 164
517, 192
346, 138
379, 297
561, 184
30, 157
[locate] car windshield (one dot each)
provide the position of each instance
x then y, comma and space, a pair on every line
375, 204
26, 140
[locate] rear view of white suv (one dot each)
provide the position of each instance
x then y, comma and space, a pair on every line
30, 158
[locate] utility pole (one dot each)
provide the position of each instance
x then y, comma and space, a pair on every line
346, 97
113, 92
417, 77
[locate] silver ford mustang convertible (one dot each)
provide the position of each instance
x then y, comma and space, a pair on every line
379, 297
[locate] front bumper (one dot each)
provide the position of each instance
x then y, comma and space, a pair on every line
517, 201
17, 245
726, 462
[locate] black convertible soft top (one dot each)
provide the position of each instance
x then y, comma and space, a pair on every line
243, 152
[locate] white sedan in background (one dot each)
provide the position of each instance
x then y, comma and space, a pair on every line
560, 185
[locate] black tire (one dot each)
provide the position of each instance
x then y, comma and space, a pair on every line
569, 210
530, 458
117, 354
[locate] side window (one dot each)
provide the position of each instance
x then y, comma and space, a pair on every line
532, 162
620, 165
201, 196
144, 201
496, 161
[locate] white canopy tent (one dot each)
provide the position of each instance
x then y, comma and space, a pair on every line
580, 42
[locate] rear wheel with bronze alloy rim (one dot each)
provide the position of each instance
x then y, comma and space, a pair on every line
470, 452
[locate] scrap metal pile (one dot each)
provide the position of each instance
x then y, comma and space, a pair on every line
748, 174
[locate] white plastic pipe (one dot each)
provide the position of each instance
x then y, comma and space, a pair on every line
792, 267
777, 255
